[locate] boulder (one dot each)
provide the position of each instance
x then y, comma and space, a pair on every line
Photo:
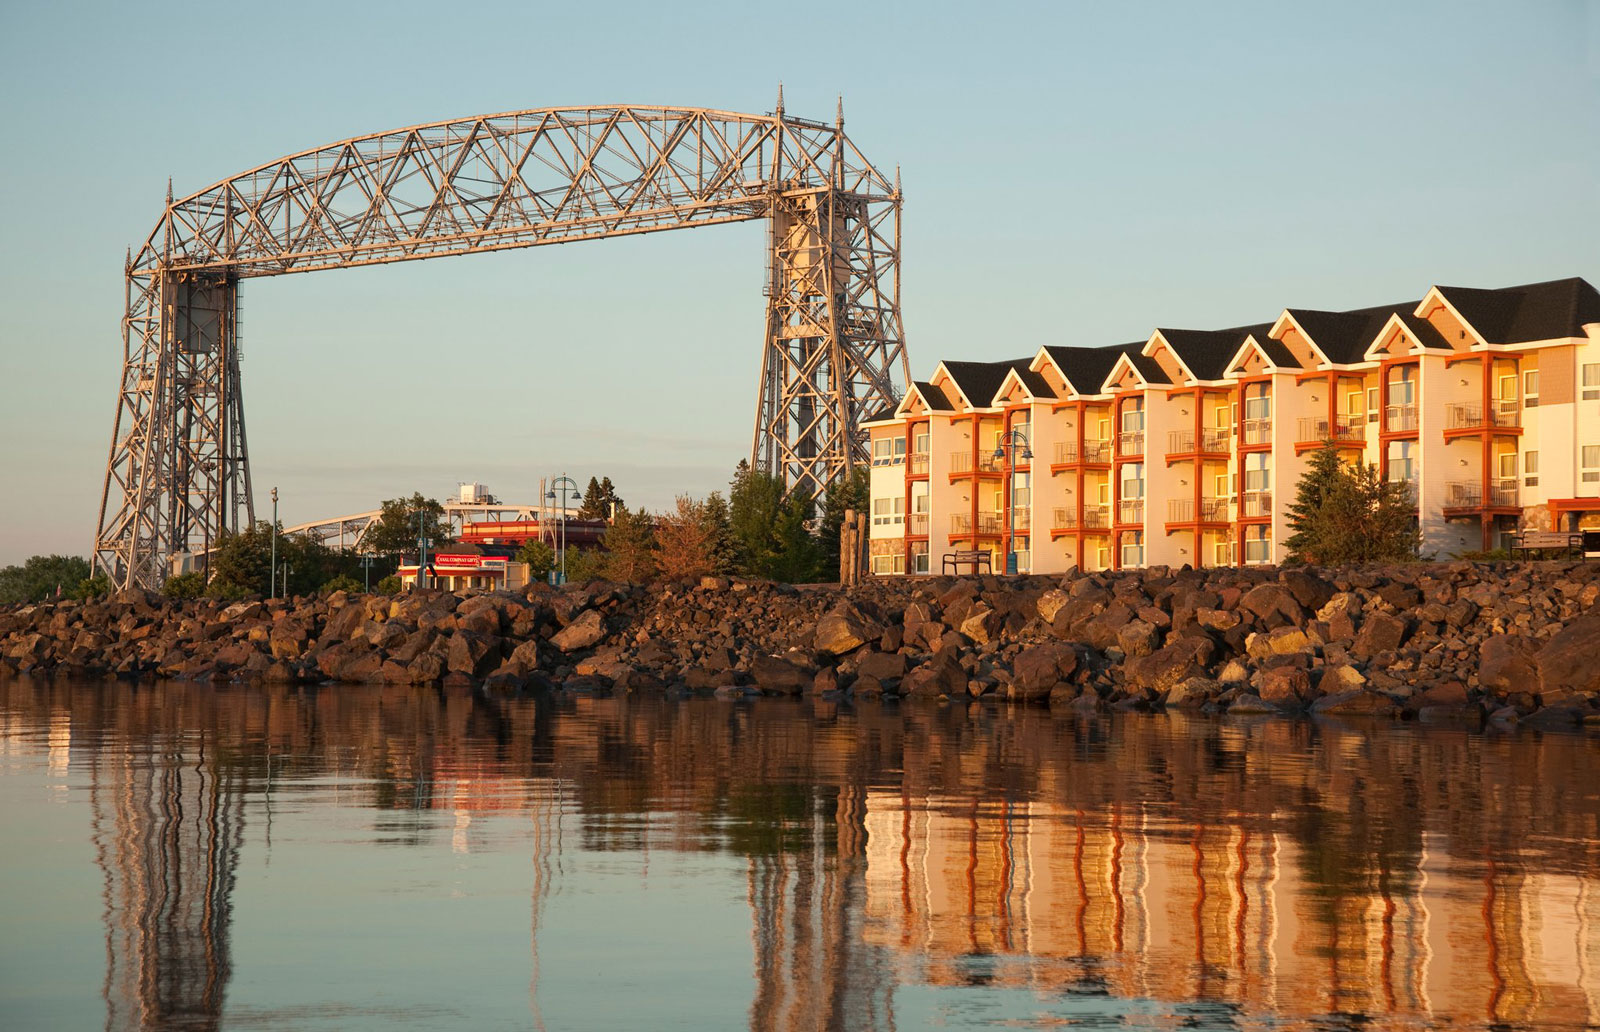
1050, 604
473, 655
776, 674
941, 675
1380, 632
1036, 671
1177, 661
1285, 686
843, 629
1506, 662
1138, 638
981, 624
884, 666
585, 630
1247, 703
1273, 604
1570, 661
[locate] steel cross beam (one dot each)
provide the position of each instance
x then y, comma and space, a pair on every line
177, 475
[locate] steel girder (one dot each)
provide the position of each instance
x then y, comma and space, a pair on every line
178, 472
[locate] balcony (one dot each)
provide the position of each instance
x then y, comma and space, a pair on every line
1064, 518
1066, 453
1130, 443
1257, 431
961, 462
1212, 510
1255, 504
1211, 442
1021, 519
919, 464
1097, 451
1473, 416
917, 524
1399, 419
1130, 510
1096, 517
961, 524
1342, 430
1468, 494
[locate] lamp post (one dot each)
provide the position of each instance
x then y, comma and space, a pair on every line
366, 570
1011, 439
564, 482
422, 550
272, 590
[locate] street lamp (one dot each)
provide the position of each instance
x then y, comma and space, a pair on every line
272, 591
564, 482
422, 550
366, 569
1012, 439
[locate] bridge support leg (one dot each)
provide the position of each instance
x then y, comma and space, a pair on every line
178, 471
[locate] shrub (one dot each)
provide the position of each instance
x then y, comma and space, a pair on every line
342, 583
185, 585
540, 557
389, 585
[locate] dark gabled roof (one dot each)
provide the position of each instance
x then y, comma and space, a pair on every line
933, 396
1278, 352
1148, 368
1345, 336
1086, 369
1534, 311
1423, 330
1037, 385
882, 415
980, 381
1207, 352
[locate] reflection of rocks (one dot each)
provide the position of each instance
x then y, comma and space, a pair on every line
1519, 637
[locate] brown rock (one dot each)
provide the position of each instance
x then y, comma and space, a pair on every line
941, 675
585, 630
1356, 704
1138, 638
1571, 659
1285, 686
843, 629
1380, 632
1036, 671
1177, 661
774, 674
1506, 662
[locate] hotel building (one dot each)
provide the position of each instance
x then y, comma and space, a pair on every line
1186, 448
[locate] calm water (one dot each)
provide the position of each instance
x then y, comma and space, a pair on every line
183, 857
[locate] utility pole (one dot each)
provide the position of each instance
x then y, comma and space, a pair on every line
272, 591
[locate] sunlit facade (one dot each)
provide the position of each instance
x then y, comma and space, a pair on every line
1185, 448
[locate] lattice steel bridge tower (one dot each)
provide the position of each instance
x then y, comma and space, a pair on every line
178, 473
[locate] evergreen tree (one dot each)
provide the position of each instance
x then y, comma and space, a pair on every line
754, 502
630, 547
594, 502
683, 540
1344, 514
851, 491
796, 556
719, 533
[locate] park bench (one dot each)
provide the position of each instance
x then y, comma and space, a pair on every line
1529, 542
967, 557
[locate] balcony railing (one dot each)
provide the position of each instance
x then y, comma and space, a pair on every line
961, 462
1096, 517
988, 523
917, 524
1063, 518
1472, 416
1130, 443
1212, 510
1399, 418
1096, 451
1066, 453
1468, 494
1212, 442
1130, 510
919, 464
1021, 519
1258, 431
1255, 503
1342, 428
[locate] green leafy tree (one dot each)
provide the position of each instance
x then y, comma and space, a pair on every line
389, 585
185, 585
395, 530
630, 546
851, 491
41, 576
540, 557
241, 563
93, 587
341, 583
1350, 514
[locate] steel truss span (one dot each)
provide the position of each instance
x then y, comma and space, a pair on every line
178, 473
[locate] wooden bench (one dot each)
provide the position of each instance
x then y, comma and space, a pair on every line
954, 560
1527, 542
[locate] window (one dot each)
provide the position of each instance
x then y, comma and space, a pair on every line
1021, 491
922, 441
919, 562
1591, 381
888, 564
1224, 417
1354, 405
1508, 387
888, 512
888, 451
1222, 487
1133, 548
1102, 557
1508, 465
1257, 401
1372, 404
1258, 472
1530, 388
1133, 480
1591, 464
1403, 386
1402, 461
1530, 469
1105, 430
1222, 553
1257, 544
1104, 492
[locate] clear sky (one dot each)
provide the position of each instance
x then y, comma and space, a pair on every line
1075, 173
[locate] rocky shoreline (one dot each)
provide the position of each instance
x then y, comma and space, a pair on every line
1444, 642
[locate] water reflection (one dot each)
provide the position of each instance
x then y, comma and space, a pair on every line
1190, 872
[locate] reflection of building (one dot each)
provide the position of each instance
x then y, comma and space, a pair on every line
1221, 912
167, 832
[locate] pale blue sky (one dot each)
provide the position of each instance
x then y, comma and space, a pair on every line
1074, 173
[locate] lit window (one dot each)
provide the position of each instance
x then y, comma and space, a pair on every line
1591, 381
1530, 388
1133, 548
1591, 463
1530, 469
888, 512
1257, 544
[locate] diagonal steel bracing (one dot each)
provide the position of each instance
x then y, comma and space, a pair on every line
178, 470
